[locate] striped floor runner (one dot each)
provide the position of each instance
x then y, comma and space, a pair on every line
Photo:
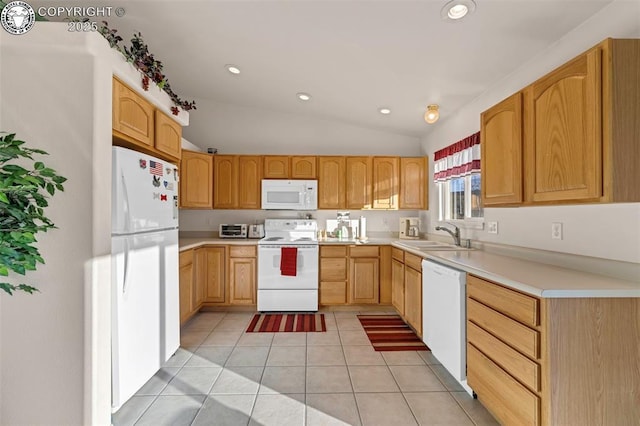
270, 323
390, 333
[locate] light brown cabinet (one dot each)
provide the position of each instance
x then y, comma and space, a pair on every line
186, 286
385, 182
359, 185
397, 280
214, 277
242, 275
196, 180
276, 167
237, 181
578, 133
502, 156
413, 292
200, 269
168, 135
537, 361
333, 275
138, 125
132, 116
303, 167
413, 183
364, 274
331, 182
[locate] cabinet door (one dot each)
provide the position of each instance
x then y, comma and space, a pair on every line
501, 158
413, 183
215, 279
364, 281
168, 135
385, 182
132, 115
196, 180
413, 299
331, 182
225, 181
186, 292
200, 276
303, 167
276, 167
242, 278
359, 174
397, 286
564, 132
249, 181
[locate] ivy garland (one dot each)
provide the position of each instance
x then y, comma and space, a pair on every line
138, 55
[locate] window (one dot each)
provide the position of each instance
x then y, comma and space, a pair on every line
457, 176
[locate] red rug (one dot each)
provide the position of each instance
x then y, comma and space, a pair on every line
390, 333
273, 323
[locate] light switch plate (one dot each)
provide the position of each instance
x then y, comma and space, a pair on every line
556, 231
492, 227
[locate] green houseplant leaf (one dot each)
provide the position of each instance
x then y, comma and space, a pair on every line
23, 197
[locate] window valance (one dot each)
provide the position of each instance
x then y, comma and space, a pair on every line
457, 160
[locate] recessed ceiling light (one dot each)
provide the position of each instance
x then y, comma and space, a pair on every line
384, 111
232, 69
457, 9
303, 96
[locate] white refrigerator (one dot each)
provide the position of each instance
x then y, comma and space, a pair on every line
145, 329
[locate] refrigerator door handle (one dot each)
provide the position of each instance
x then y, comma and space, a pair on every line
126, 206
126, 265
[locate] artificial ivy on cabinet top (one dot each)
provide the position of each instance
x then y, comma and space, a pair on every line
139, 56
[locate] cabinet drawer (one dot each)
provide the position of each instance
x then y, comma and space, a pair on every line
519, 366
413, 261
363, 251
333, 293
242, 251
186, 257
509, 401
333, 251
511, 303
397, 254
509, 331
333, 269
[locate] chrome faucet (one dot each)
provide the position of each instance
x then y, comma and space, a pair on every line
455, 234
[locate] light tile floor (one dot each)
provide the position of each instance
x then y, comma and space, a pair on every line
224, 376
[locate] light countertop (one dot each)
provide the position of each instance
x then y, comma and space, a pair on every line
535, 278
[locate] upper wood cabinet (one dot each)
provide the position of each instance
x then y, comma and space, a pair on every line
225, 181
385, 182
132, 115
413, 183
196, 180
578, 133
276, 167
331, 180
564, 132
168, 135
359, 187
303, 167
501, 147
249, 181
236, 181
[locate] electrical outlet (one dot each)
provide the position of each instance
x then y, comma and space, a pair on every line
492, 227
556, 231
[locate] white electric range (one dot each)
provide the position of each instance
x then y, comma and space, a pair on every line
278, 292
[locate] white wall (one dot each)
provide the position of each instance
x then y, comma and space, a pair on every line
610, 231
53, 360
378, 222
234, 129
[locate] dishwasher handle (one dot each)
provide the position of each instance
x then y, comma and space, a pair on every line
439, 269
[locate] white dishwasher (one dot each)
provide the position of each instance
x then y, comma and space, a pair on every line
444, 317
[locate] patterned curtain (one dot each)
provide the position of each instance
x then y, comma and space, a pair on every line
459, 159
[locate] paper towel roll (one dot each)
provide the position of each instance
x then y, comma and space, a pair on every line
362, 226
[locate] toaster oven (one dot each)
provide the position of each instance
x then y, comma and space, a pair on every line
236, 230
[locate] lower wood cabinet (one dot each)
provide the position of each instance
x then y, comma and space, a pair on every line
413, 298
186, 286
397, 285
214, 275
242, 275
364, 282
333, 275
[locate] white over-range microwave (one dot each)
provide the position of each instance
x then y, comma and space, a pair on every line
281, 194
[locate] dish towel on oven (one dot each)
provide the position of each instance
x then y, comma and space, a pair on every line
288, 261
